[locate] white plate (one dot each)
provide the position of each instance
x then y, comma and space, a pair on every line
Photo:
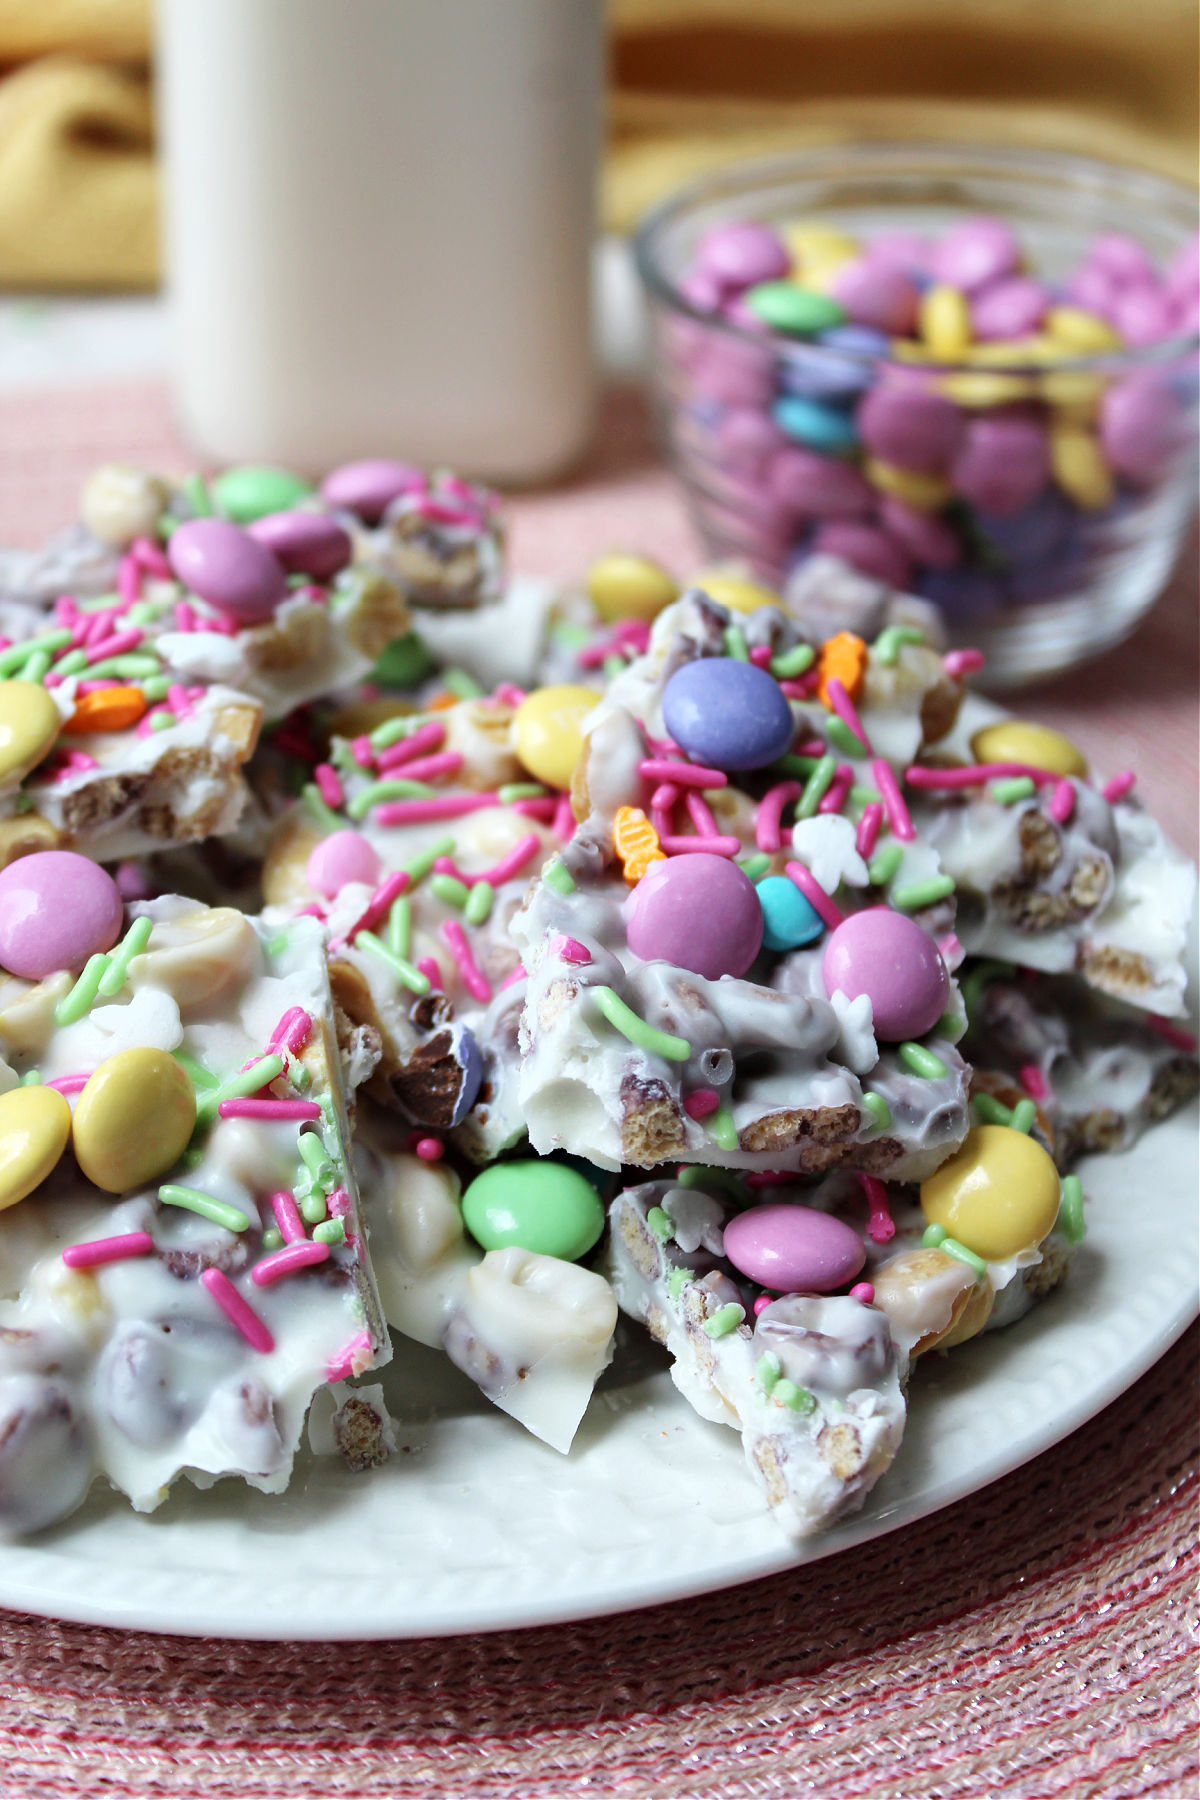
478, 1526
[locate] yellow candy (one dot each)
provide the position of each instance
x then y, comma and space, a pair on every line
1081, 331
737, 592
133, 1119
1078, 466
925, 492
1018, 740
944, 319
998, 1194
819, 273
629, 587
984, 389
29, 725
35, 1123
810, 242
547, 733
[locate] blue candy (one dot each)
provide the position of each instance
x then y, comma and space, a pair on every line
808, 422
789, 920
728, 714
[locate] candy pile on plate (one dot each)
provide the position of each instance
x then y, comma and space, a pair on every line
679, 954
929, 408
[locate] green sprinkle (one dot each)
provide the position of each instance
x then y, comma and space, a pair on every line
479, 903
462, 684
735, 644
886, 647
392, 731
882, 867
272, 1238
989, 1110
313, 1209
419, 866
32, 1078
278, 944
646, 1037
796, 1399
405, 972
1023, 1115
310, 793
922, 893
377, 791
937, 1238
567, 632
1070, 1211
299, 1076
755, 867
843, 739
399, 927
156, 687
767, 1371
799, 768
82, 996
163, 721
329, 1231
451, 890
131, 945
660, 1225
559, 877
612, 666
921, 1061
697, 1175
878, 1109
980, 975
18, 654
145, 612
865, 796
816, 787
247, 1081
37, 666
949, 1024
677, 1280
332, 1130
723, 1128
129, 667
196, 1073
1016, 787
195, 492
192, 1200
520, 790
71, 663
315, 1158
724, 1320
790, 663
98, 603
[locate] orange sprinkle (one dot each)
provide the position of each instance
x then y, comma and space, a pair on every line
844, 659
636, 842
108, 709
441, 701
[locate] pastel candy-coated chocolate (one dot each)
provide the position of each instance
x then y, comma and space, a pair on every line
1004, 462
698, 911
816, 487
621, 586
342, 857
466, 1052
887, 956
1143, 315
810, 422
786, 307
909, 425
1019, 740
739, 255
251, 491
305, 543
1009, 309
547, 731
228, 568
737, 592
998, 1194
969, 595
369, 487
1139, 428
976, 252
923, 535
794, 1249
1033, 535
866, 548
537, 1204
57, 908
907, 250
29, 727
789, 920
736, 374
35, 1123
133, 1119
746, 438
727, 714
1121, 257
877, 294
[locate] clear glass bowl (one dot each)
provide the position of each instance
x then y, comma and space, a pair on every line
1058, 583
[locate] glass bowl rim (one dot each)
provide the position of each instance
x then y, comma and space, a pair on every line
750, 172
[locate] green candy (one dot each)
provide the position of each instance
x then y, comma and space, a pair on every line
403, 664
254, 490
787, 307
539, 1205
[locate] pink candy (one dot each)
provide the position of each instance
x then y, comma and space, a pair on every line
342, 857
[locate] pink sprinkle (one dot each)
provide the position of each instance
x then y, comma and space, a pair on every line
96, 626
570, 950
70, 1084
185, 616
65, 611
762, 1303
1119, 786
518, 974
427, 768
814, 893
273, 1110
976, 775
287, 1261
867, 835
1033, 1081
685, 775
292, 1032
841, 703
634, 634
897, 813
129, 579
430, 1149
312, 911
430, 968
811, 747
764, 1178
455, 939
446, 865
149, 557
950, 950
106, 1250
510, 694
767, 833
834, 797
700, 813
353, 1360
1062, 801
542, 810
116, 645
661, 746
802, 688
237, 1311
422, 812
329, 786
594, 656
564, 819
665, 796
426, 738
701, 1102
378, 906
958, 663
1171, 1034
363, 752
709, 846
864, 1292
880, 1225
515, 860
179, 699
760, 656
287, 1217
662, 818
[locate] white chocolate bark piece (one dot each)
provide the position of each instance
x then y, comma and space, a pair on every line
174, 1358
828, 595
442, 545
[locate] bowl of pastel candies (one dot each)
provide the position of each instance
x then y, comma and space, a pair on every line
970, 374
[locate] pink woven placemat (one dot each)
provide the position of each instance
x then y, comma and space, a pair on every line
1039, 1639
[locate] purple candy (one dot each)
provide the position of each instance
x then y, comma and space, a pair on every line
1004, 463
817, 487
794, 1249
1035, 534
224, 565
727, 714
924, 536
697, 911
57, 908
1143, 314
741, 255
368, 488
906, 250
908, 424
342, 857
1122, 258
747, 439
887, 956
976, 252
701, 290
1093, 290
306, 543
865, 548
1183, 273
735, 373
744, 317
1140, 427
1009, 309
969, 595
877, 294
